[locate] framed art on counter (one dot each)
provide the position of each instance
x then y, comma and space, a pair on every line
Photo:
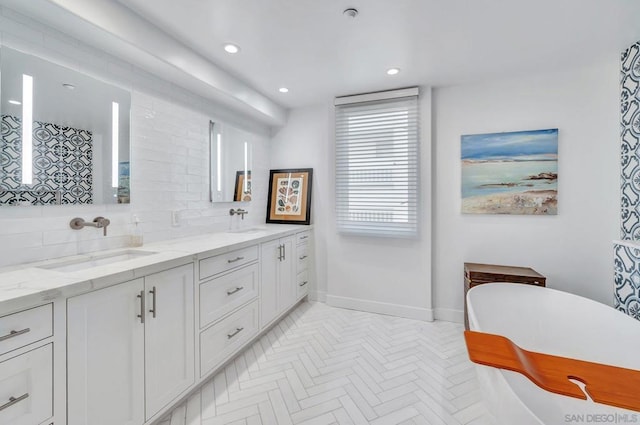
289, 199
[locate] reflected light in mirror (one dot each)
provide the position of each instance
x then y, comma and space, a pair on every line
115, 112
27, 129
219, 161
246, 176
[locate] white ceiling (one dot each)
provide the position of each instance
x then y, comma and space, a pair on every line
311, 48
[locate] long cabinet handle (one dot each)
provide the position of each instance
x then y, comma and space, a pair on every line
284, 252
235, 259
142, 307
280, 252
234, 333
233, 291
303, 237
154, 309
14, 333
303, 283
303, 257
13, 400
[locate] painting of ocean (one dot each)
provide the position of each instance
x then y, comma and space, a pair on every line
510, 173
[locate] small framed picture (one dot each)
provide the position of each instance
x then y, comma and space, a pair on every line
289, 199
242, 190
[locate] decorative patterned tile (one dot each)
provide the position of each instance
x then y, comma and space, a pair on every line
627, 280
630, 136
62, 164
325, 365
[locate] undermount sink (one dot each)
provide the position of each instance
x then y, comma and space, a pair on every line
88, 262
248, 230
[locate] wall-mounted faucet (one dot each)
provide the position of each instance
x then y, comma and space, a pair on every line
239, 212
99, 222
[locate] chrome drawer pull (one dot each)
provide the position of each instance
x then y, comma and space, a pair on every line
142, 308
14, 333
303, 257
303, 237
154, 309
236, 259
233, 291
234, 333
13, 400
303, 283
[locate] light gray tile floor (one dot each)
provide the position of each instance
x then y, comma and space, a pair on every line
325, 365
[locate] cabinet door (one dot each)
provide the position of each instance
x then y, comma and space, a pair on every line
169, 336
105, 354
286, 276
271, 252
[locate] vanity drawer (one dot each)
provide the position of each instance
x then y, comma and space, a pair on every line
302, 284
220, 263
303, 237
26, 387
302, 252
223, 294
225, 337
25, 327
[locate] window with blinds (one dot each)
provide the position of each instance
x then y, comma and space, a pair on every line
377, 138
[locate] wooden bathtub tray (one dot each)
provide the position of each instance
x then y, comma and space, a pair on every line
604, 384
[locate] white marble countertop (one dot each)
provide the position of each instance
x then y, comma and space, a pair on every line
26, 285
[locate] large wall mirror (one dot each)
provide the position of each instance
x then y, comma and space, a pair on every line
230, 170
65, 135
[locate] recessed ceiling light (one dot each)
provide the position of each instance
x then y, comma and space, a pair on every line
283, 90
231, 48
15, 102
393, 71
68, 86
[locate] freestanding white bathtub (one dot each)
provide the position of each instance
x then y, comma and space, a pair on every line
551, 322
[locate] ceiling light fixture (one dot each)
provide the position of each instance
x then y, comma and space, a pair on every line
393, 71
350, 12
231, 48
283, 90
15, 102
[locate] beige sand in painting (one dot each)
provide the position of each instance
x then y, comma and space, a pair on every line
530, 202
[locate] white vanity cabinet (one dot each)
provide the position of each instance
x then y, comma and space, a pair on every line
228, 304
26, 370
303, 258
277, 271
129, 346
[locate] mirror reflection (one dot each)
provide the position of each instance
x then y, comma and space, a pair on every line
65, 135
230, 168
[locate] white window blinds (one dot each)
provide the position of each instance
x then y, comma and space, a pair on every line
377, 165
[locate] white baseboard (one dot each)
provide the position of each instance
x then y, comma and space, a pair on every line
449, 315
320, 296
409, 312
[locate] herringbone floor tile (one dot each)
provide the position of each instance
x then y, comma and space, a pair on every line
325, 365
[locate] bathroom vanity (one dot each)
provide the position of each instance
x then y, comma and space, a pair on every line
121, 337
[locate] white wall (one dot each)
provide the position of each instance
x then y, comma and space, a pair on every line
304, 142
381, 275
388, 276
572, 249
169, 172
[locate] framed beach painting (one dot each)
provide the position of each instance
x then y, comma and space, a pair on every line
289, 200
510, 173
